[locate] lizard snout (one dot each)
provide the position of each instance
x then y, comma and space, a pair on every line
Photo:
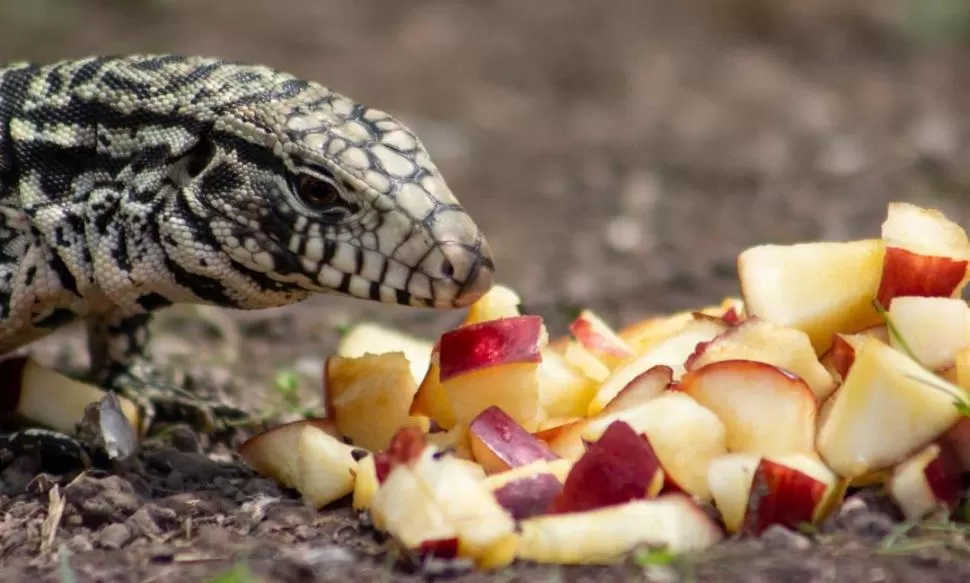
470, 269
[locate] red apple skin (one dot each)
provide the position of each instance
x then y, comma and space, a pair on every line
619, 467
583, 330
490, 343
406, 447
842, 355
957, 439
527, 497
699, 350
731, 316
507, 440
945, 476
905, 273
445, 548
780, 495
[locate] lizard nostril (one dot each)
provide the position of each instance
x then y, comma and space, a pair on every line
447, 269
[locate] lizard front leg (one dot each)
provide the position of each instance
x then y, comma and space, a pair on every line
120, 362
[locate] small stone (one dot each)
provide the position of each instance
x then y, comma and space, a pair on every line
184, 439
779, 537
113, 536
106, 499
315, 555
79, 543
624, 234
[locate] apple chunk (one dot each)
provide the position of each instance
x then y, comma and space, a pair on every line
887, 407
528, 496
498, 443
684, 435
765, 409
820, 288
431, 400
935, 329
926, 254
493, 363
785, 495
752, 492
42, 396
673, 351
760, 340
600, 536
929, 480
468, 349
305, 455
599, 339
564, 391
370, 338
500, 302
620, 466
635, 372
433, 498
360, 390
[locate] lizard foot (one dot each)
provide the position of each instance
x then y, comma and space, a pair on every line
162, 402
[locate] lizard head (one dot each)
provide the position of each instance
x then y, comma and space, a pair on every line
313, 193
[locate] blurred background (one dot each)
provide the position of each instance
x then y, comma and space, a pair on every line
620, 153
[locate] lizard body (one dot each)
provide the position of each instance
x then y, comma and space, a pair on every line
131, 183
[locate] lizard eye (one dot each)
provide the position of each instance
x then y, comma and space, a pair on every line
317, 193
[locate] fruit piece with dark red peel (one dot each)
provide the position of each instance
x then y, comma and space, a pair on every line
910, 274
642, 388
930, 480
620, 466
529, 496
781, 495
499, 443
443, 548
405, 448
599, 338
926, 254
495, 342
763, 341
739, 391
732, 316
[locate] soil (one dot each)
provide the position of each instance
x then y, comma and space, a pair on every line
618, 154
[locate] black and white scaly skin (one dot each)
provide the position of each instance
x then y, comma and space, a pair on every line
131, 183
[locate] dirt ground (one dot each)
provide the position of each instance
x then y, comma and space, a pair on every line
619, 155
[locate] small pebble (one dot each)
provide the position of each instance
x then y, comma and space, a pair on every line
779, 537
113, 536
